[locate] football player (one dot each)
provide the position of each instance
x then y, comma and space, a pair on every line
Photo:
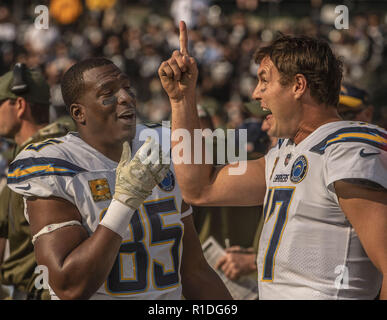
106, 215
323, 186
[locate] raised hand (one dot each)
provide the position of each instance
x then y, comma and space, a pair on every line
179, 73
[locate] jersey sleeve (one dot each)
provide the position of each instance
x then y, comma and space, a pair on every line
355, 160
38, 174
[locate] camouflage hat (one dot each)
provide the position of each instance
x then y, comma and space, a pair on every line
254, 107
37, 90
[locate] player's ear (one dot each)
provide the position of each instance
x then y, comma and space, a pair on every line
20, 107
77, 113
300, 85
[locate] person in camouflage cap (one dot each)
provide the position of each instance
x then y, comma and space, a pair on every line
24, 118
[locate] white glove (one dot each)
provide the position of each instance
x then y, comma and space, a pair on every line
136, 178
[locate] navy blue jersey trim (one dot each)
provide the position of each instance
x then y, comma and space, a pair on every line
376, 138
280, 142
24, 169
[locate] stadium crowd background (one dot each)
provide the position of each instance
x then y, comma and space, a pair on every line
139, 35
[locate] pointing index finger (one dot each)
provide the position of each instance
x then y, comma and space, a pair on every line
183, 38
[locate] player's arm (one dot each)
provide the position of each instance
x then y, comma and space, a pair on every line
366, 209
77, 264
215, 186
196, 274
203, 184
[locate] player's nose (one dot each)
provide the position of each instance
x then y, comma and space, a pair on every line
257, 93
125, 98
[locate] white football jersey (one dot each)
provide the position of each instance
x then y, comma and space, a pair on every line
308, 249
148, 262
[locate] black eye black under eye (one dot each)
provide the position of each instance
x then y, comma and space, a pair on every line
109, 100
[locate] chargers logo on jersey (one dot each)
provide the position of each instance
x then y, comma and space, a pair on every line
299, 169
168, 184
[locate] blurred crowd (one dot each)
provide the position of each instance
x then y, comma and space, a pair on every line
138, 35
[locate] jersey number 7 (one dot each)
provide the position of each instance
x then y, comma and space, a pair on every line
280, 198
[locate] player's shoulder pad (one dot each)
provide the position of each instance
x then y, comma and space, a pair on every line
35, 148
358, 132
54, 130
42, 159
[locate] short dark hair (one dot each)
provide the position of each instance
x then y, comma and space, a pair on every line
72, 84
40, 112
308, 56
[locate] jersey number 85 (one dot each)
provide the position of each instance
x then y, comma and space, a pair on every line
138, 252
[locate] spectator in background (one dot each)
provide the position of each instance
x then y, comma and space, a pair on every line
354, 104
8, 33
24, 117
235, 114
189, 10
257, 140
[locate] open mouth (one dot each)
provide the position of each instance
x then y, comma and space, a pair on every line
127, 119
127, 115
268, 112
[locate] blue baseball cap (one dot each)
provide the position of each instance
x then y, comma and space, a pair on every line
353, 97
